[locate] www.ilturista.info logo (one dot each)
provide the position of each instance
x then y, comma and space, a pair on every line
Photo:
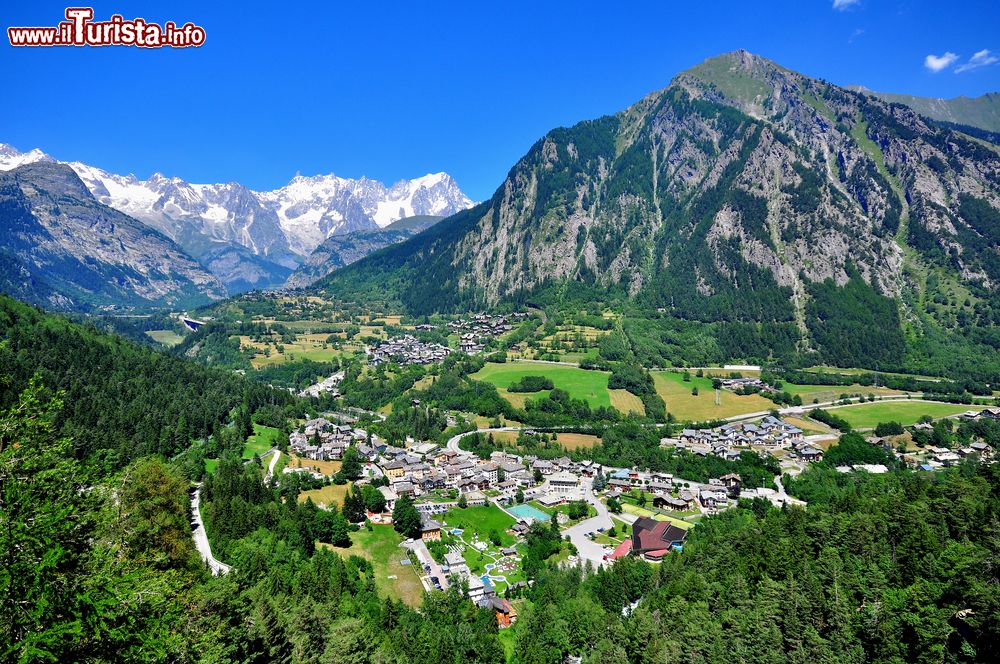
79, 29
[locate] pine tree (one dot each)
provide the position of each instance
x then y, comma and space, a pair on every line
406, 518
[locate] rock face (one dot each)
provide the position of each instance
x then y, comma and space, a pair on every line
262, 236
340, 250
729, 195
63, 249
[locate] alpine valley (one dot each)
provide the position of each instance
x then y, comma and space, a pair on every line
713, 379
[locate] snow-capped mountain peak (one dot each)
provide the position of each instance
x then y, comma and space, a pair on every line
283, 225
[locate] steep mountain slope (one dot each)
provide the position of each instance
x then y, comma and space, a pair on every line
65, 250
743, 193
262, 235
982, 112
343, 249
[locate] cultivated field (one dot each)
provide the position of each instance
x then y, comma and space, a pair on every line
328, 495
305, 347
626, 402
591, 386
676, 392
326, 467
866, 416
577, 441
825, 393
571, 441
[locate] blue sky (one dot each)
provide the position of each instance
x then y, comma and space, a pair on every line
392, 90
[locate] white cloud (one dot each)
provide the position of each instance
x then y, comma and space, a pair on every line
979, 59
844, 5
938, 62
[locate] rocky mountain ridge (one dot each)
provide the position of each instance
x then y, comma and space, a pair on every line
342, 249
262, 235
65, 250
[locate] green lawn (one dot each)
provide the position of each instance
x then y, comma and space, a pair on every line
481, 519
211, 465
825, 393
676, 392
641, 511
381, 547
866, 416
165, 337
264, 438
824, 369
591, 386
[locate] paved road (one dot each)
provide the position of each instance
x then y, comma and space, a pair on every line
201, 538
425, 558
586, 549
275, 455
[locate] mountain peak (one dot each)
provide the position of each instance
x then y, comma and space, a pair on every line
53, 178
740, 76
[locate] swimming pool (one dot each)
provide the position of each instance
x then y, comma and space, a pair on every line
528, 512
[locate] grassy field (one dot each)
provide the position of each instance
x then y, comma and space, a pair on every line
641, 511
571, 441
810, 427
866, 416
381, 547
326, 467
211, 465
577, 441
676, 392
591, 386
165, 337
481, 519
306, 347
328, 495
626, 402
857, 372
825, 393
264, 438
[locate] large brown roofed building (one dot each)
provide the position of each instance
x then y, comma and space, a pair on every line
651, 539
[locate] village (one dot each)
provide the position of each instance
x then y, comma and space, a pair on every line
604, 512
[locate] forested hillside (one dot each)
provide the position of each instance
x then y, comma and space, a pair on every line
122, 400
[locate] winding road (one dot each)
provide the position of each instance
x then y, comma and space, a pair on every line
201, 537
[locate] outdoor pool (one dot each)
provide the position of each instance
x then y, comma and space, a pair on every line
528, 512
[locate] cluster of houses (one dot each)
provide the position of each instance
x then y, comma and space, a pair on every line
735, 384
322, 440
771, 433
474, 332
330, 385
988, 413
715, 495
407, 349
